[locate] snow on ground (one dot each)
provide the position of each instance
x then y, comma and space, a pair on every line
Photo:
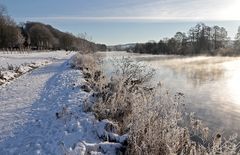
36, 57
41, 112
7, 75
14, 65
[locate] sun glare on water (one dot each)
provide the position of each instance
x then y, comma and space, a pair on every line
233, 84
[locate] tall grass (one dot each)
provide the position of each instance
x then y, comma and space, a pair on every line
155, 121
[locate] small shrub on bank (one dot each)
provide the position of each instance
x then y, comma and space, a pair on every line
84, 61
1, 75
91, 68
115, 99
10, 67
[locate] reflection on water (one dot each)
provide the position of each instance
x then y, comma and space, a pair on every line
211, 85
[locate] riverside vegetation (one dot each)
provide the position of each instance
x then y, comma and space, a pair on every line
199, 40
154, 121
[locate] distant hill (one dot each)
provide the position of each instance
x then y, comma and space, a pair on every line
41, 36
121, 47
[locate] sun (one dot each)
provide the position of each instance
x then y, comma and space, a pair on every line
231, 11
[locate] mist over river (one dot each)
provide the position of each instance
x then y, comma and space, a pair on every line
211, 85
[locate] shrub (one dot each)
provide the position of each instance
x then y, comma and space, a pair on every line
10, 67
115, 98
1, 75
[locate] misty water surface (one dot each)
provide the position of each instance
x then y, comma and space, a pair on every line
211, 85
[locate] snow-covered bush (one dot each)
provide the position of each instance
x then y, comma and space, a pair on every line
84, 61
115, 99
91, 68
1, 78
10, 67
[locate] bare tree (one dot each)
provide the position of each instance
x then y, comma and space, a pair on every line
10, 34
85, 43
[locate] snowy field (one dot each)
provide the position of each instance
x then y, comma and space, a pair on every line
41, 112
15, 64
36, 57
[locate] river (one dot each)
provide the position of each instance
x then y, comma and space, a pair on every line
211, 85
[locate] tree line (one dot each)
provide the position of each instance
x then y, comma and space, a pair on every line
200, 39
38, 36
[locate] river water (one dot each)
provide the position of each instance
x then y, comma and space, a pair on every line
211, 85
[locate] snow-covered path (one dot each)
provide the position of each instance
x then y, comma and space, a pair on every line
28, 107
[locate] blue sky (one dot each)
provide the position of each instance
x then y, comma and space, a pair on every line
127, 21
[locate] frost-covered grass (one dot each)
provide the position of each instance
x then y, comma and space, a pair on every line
154, 121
